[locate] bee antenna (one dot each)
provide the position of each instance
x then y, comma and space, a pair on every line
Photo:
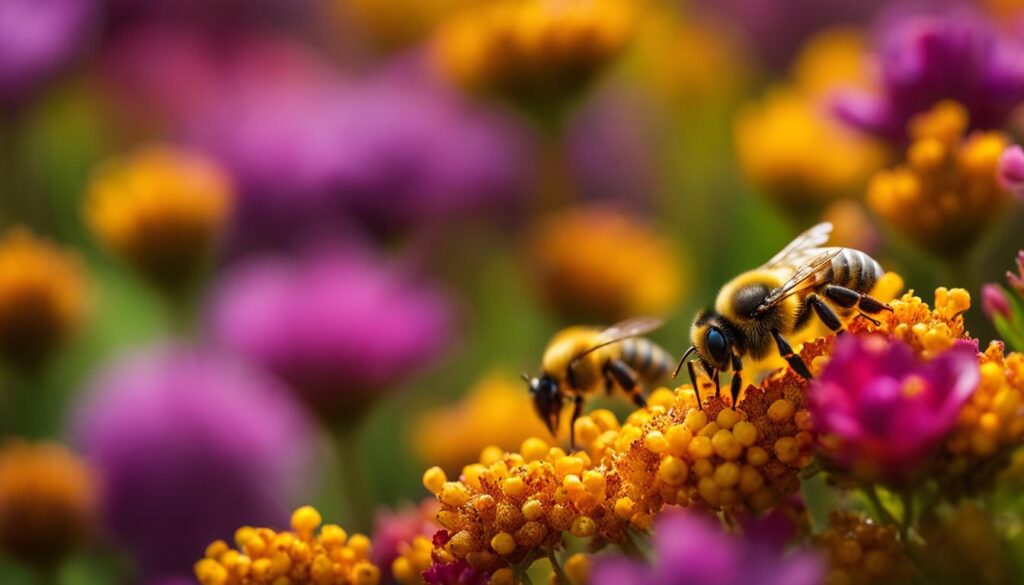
525, 377
682, 361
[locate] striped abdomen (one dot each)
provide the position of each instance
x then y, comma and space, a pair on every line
647, 358
855, 270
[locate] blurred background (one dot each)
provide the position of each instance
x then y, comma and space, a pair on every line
266, 253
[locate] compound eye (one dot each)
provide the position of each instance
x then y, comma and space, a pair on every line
716, 345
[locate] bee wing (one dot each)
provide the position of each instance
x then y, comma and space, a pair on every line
624, 330
803, 247
806, 276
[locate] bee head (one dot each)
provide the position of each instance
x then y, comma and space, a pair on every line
547, 399
712, 338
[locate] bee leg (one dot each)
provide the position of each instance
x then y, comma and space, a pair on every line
577, 410
693, 382
627, 379
794, 361
849, 298
825, 313
737, 379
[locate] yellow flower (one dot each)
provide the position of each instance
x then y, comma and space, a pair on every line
495, 411
42, 297
599, 265
161, 210
860, 552
788, 144
48, 502
929, 331
263, 556
834, 57
792, 151
392, 24
509, 505
413, 559
947, 193
531, 51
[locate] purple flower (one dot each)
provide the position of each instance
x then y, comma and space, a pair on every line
694, 550
1011, 170
886, 410
995, 302
611, 149
37, 38
1017, 280
189, 446
395, 152
925, 58
336, 324
776, 30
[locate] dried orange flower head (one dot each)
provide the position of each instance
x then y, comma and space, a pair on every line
161, 209
42, 297
48, 501
300, 556
532, 51
602, 265
947, 193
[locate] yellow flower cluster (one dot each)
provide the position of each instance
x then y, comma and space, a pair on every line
990, 426
48, 501
496, 411
266, 557
929, 331
42, 297
587, 261
413, 558
790, 147
860, 552
510, 505
162, 210
533, 50
947, 192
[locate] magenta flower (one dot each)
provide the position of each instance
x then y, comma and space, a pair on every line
953, 54
885, 409
454, 572
337, 324
695, 550
995, 302
189, 446
37, 39
1011, 170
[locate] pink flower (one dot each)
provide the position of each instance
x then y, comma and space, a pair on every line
885, 409
995, 302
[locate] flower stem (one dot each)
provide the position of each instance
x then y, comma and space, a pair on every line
881, 511
908, 516
560, 575
351, 479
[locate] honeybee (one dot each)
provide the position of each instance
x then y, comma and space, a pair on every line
756, 310
582, 360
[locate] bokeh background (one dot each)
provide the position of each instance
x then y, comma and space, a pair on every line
267, 253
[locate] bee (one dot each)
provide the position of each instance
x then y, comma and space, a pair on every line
582, 360
756, 310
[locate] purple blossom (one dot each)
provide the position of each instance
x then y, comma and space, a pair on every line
1011, 170
189, 446
885, 408
924, 58
1017, 280
37, 39
694, 550
337, 324
395, 151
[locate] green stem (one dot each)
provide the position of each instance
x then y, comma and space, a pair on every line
880, 510
908, 516
560, 575
351, 478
